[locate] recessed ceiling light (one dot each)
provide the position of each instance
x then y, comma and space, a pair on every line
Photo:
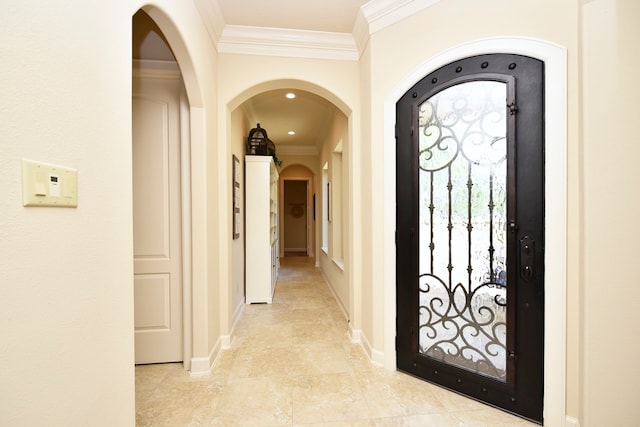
290, 95
291, 132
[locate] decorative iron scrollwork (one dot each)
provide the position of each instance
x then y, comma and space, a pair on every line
462, 282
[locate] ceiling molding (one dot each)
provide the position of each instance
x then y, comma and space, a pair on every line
382, 13
297, 150
377, 15
287, 42
372, 17
212, 18
361, 31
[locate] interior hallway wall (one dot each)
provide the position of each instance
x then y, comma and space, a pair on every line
239, 131
67, 275
610, 212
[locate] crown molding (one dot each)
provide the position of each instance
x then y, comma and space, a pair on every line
212, 18
360, 31
297, 150
382, 13
287, 42
377, 15
371, 18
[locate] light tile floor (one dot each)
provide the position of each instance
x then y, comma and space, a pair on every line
291, 364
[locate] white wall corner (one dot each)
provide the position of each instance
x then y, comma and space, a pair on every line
360, 31
201, 366
250, 40
212, 18
572, 422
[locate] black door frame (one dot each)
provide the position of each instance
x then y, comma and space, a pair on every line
512, 396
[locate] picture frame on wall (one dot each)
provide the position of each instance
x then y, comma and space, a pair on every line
236, 197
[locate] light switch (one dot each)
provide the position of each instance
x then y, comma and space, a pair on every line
48, 185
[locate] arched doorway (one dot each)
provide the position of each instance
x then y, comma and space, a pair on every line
241, 117
555, 59
155, 38
298, 212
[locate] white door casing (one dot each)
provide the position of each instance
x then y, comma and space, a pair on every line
157, 222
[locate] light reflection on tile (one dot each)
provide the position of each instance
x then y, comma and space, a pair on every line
291, 363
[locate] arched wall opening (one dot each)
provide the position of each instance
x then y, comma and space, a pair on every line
290, 211
231, 131
192, 145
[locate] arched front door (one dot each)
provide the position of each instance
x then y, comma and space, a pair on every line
470, 237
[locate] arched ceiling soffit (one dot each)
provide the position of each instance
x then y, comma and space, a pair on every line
310, 115
171, 34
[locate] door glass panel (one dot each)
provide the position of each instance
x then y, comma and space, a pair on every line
462, 227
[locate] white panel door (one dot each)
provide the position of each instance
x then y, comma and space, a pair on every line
157, 221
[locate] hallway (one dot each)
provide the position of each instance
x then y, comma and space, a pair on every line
292, 364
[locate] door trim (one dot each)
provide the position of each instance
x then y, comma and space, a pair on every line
185, 178
555, 59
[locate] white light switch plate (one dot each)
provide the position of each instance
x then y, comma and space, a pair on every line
49, 185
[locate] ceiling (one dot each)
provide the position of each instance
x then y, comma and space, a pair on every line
325, 15
308, 115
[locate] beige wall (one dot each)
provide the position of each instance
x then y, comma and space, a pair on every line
66, 297
238, 136
610, 209
336, 263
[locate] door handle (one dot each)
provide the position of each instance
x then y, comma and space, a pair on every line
527, 254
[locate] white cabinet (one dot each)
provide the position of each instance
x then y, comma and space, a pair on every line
261, 228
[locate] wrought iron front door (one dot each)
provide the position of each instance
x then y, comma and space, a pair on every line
470, 238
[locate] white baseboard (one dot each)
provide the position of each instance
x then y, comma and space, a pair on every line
572, 422
227, 340
354, 335
375, 356
201, 366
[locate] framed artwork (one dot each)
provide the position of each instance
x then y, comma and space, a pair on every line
236, 197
